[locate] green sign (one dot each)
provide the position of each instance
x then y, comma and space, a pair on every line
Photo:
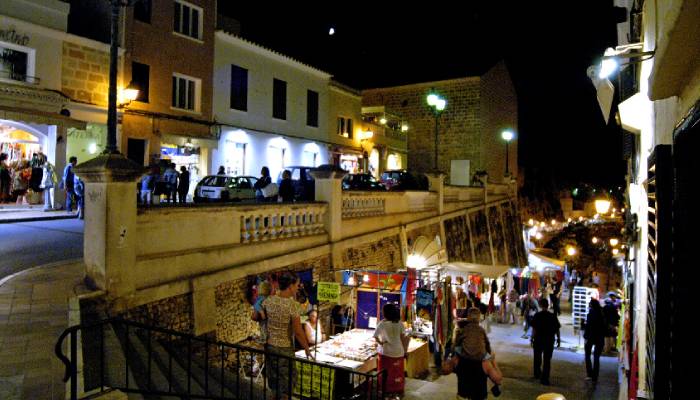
328, 291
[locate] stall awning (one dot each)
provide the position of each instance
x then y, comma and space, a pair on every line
487, 271
539, 262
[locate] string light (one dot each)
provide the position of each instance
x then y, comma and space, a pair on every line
351, 280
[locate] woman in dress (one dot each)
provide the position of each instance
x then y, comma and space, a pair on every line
312, 328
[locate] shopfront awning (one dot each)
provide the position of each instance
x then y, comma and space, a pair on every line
635, 112
39, 117
487, 271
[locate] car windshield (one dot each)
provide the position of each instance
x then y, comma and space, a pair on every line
214, 180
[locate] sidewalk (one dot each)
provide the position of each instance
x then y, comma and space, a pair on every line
34, 307
31, 213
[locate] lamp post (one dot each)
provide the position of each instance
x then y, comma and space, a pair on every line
507, 135
111, 147
437, 104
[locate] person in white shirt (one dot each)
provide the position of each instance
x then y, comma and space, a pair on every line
313, 330
393, 346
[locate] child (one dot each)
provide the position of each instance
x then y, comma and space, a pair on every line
472, 343
264, 289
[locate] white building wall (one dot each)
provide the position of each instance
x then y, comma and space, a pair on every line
256, 127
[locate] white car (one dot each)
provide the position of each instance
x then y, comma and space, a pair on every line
222, 188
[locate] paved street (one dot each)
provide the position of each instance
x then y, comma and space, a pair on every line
514, 356
27, 244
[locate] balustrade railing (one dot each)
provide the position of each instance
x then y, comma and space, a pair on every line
282, 222
364, 205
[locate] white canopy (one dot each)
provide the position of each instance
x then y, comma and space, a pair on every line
487, 271
539, 262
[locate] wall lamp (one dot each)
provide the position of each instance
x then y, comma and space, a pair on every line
128, 94
612, 57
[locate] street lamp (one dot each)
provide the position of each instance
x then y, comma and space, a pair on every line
507, 135
111, 147
437, 104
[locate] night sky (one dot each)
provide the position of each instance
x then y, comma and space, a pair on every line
547, 47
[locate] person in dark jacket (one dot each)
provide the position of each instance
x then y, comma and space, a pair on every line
262, 182
286, 190
545, 326
183, 185
594, 334
612, 319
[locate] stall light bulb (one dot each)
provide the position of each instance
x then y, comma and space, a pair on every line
351, 281
365, 278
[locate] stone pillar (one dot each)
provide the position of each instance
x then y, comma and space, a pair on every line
329, 190
60, 137
110, 222
436, 182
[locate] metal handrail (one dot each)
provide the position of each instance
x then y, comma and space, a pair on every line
368, 386
20, 77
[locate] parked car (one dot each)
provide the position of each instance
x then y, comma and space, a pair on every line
400, 179
222, 188
303, 182
362, 182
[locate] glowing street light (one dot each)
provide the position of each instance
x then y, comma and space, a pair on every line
594, 240
507, 135
554, 221
531, 222
571, 251
615, 251
437, 104
538, 236
614, 242
602, 206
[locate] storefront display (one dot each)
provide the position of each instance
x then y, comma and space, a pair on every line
22, 163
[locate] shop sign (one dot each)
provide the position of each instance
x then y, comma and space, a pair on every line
328, 291
10, 35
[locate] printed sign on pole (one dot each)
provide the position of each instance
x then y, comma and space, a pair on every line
328, 291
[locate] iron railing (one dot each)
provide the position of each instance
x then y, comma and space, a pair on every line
136, 358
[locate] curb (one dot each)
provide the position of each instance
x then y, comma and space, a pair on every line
33, 219
32, 269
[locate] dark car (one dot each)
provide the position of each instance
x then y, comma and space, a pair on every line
400, 179
303, 182
362, 182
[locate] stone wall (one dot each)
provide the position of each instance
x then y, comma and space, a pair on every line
171, 313
85, 74
457, 239
429, 231
516, 250
459, 130
497, 236
233, 309
384, 255
480, 237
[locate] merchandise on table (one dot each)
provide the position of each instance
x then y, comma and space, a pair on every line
356, 345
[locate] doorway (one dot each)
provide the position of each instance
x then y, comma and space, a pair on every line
136, 150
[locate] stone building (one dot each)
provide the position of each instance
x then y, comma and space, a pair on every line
478, 109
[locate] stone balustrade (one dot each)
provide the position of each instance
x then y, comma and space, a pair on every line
275, 221
455, 194
363, 204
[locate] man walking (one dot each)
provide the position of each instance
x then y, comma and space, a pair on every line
68, 182
594, 334
545, 325
183, 185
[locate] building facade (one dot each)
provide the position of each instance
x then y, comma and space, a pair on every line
169, 57
659, 113
478, 110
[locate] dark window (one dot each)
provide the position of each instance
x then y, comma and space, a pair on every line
140, 78
279, 99
311, 108
239, 88
142, 11
348, 126
341, 126
186, 20
184, 91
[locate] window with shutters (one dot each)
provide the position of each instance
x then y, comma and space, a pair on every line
186, 92
187, 19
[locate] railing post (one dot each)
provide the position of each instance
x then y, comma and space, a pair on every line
110, 222
329, 190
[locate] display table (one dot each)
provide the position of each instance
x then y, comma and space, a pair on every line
418, 358
355, 349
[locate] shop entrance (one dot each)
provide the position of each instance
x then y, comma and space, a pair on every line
23, 149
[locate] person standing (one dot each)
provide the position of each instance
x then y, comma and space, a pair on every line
594, 333
262, 183
393, 346
183, 186
68, 182
545, 326
554, 297
170, 177
48, 180
612, 319
79, 189
286, 190
221, 171
283, 325
511, 306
